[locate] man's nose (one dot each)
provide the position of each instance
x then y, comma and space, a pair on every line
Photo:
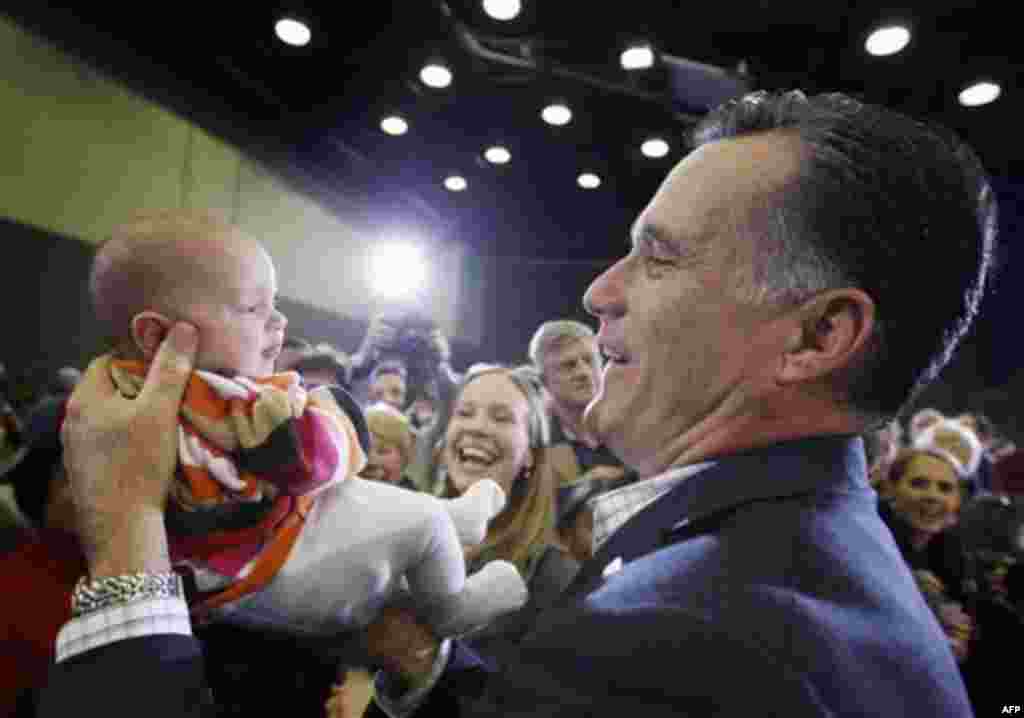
278, 320
606, 295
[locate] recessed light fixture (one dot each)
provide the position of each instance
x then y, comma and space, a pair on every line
887, 40
654, 148
980, 93
588, 180
503, 9
455, 183
436, 75
638, 57
394, 125
497, 155
556, 114
292, 32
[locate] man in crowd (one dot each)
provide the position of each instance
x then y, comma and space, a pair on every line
566, 357
759, 325
388, 385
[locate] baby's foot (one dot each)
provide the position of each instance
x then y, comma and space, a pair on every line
493, 591
474, 509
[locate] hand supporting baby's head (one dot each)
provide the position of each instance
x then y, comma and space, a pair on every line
171, 266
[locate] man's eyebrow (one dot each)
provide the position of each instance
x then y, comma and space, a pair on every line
654, 235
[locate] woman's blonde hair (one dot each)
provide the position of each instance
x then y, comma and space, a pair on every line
527, 524
390, 426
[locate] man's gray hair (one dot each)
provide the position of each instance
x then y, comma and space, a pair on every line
552, 333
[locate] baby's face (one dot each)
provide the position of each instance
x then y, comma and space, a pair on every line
240, 328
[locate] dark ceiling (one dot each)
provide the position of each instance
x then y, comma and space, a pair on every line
314, 112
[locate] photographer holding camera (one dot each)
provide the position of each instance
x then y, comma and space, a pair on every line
404, 356
411, 341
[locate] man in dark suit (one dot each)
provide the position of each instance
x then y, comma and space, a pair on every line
761, 322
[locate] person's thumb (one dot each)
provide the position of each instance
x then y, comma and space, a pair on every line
170, 369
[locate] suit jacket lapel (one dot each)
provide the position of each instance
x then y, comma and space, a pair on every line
800, 466
641, 534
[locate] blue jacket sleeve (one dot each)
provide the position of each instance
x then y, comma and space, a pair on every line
158, 676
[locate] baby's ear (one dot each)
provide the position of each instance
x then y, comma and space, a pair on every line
148, 331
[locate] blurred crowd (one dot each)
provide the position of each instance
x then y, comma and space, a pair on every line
951, 490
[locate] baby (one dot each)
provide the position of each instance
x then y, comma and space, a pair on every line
266, 508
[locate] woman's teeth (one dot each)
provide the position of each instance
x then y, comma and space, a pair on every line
473, 456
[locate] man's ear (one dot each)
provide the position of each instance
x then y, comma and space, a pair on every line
148, 331
831, 333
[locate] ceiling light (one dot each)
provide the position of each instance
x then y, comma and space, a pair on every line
638, 57
292, 32
588, 180
497, 155
887, 40
436, 75
394, 125
654, 147
557, 114
502, 9
455, 183
980, 93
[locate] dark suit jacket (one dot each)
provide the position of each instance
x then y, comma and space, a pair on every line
764, 585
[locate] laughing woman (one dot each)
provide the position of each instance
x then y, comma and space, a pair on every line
499, 430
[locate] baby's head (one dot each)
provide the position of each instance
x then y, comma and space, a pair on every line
188, 266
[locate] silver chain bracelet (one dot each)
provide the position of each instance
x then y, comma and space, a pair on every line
97, 594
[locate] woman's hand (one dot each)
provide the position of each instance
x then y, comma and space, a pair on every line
401, 644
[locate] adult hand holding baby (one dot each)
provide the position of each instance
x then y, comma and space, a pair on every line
120, 456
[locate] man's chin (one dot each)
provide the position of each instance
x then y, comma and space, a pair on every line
592, 419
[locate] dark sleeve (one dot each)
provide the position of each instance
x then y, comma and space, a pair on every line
155, 676
497, 642
464, 680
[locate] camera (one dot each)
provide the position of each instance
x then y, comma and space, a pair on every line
414, 347
412, 339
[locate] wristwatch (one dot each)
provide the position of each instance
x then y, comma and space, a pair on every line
97, 594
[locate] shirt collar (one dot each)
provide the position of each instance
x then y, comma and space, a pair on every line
820, 463
614, 508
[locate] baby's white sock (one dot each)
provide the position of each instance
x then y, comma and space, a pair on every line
474, 509
493, 591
